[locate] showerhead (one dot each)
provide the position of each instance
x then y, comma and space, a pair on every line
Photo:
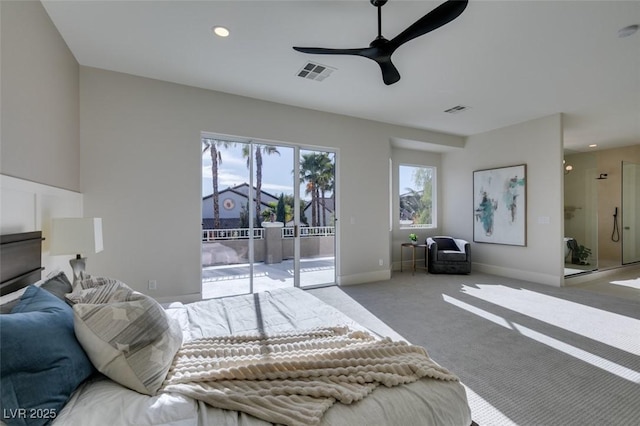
602, 176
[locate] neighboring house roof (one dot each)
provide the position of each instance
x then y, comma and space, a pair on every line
328, 205
243, 191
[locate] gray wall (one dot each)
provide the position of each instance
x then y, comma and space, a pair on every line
40, 99
538, 144
141, 165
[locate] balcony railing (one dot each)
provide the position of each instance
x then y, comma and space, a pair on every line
209, 235
310, 231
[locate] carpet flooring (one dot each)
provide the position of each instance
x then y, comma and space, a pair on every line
528, 354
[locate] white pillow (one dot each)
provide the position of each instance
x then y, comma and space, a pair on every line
127, 335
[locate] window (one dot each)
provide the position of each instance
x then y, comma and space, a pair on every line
417, 189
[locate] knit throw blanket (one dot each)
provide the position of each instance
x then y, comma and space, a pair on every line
294, 378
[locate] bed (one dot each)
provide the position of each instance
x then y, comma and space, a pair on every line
249, 346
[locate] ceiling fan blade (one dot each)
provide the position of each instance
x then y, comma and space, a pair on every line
380, 55
390, 73
325, 51
438, 17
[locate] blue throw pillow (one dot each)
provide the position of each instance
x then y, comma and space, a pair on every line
42, 363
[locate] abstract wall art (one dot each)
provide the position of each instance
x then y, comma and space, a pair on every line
500, 205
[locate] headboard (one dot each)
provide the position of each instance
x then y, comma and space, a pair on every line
21, 260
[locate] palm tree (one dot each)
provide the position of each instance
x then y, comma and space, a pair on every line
324, 181
308, 167
312, 189
289, 206
213, 146
317, 170
260, 149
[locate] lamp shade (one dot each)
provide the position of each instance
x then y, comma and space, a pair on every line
76, 235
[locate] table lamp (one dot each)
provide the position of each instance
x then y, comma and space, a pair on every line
77, 236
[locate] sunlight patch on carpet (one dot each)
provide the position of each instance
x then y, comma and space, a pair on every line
485, 413
596, 361
613, 329
628, 283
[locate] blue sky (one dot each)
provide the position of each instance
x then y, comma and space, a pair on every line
406, 177
277, 171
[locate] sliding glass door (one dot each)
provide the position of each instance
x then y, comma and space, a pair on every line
318, 217
268, 216
227, 237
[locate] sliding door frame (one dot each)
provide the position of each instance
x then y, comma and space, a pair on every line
297, 196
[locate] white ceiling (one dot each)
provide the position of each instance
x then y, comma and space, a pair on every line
509, 61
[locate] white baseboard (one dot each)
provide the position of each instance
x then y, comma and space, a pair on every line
184, 298
519, 274
365, 277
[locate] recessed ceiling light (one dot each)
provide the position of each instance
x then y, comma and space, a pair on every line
220, 31
627, 31
593, 145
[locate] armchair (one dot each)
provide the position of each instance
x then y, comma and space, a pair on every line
448, 255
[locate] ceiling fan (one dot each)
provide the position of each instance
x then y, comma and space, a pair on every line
381, 49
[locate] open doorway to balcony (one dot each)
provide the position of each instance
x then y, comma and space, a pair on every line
268, 216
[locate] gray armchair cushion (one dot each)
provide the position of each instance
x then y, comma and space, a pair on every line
454, 256
446, 243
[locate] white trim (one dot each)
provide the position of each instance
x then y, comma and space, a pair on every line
296, 217
183, 298
365, 277
519, 274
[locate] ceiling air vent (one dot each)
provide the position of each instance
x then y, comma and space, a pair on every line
314, 71
456, 109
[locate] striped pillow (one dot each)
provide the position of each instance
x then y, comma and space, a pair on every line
89, 281
126, 334
109, 291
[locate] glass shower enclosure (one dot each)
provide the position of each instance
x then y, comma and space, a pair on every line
580, 214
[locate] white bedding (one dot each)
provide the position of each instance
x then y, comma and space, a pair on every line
102, 401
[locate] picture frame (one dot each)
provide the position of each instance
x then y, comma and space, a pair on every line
500, 205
